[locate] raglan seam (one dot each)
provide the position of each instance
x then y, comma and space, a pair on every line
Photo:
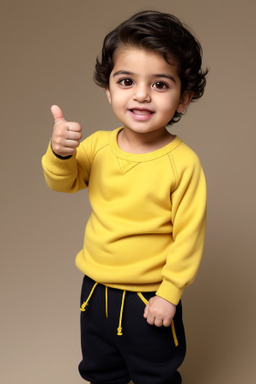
174, 169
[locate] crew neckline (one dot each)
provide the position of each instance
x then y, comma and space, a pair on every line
139, 157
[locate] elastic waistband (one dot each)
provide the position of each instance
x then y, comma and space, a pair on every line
119, 328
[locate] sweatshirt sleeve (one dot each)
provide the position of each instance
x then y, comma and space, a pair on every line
189, 223
66, 175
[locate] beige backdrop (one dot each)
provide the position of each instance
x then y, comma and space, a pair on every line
47, 56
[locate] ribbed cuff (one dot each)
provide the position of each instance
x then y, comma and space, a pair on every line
59, 166
169, 292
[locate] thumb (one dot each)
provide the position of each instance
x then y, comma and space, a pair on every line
57, 114
145, 314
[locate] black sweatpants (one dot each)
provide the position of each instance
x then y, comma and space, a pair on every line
118, 345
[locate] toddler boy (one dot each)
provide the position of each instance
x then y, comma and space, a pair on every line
144, 239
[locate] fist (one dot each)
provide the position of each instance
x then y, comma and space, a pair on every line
66, 135
159, 312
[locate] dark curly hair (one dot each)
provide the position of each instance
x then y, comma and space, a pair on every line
158, 32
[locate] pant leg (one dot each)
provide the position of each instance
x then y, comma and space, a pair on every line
151, 353
101, 362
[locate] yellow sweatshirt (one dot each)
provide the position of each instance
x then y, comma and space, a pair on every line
147, 226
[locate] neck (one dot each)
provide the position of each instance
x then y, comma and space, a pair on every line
139, 143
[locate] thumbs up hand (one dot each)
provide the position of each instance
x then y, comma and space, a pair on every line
66, 135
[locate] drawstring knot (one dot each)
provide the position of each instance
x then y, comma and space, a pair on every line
119, 329
85, 303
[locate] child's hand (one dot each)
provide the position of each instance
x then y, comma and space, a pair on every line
66, 135
159, 312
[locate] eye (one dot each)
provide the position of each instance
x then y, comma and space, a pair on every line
160, 85
125, 82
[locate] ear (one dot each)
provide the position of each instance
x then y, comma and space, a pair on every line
108, 94
185, 100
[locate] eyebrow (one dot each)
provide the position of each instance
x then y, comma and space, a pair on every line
161, 75
123, 73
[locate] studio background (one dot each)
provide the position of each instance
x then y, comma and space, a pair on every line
48, 51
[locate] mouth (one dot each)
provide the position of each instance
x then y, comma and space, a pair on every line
141, 113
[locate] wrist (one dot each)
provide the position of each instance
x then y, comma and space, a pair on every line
61, 157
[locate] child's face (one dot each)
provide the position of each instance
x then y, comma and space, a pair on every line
144, 90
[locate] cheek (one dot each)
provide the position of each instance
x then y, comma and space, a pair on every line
118, 107
167, 109
167, 106
118, 101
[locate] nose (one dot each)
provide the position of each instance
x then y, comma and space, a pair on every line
142, 93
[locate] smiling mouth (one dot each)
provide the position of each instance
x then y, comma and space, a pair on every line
141, 113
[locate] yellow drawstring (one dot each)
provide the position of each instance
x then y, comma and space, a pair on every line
106, 301
119, 329
145, 301
85, 303
174, 334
